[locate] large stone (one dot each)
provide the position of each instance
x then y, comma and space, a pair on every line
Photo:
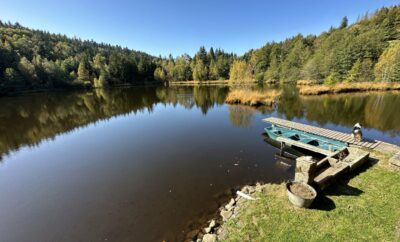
230, 205
225, 214
302, 177
209, 238
305, 169
305, 164
251, 189
211, 226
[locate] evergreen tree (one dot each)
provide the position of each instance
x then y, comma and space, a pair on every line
344, 23
355, 72
83, 73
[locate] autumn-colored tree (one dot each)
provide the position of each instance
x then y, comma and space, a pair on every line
387, 67
240, 72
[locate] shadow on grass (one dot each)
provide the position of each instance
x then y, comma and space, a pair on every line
341, 188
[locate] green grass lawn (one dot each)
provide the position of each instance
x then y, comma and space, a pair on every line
364, 207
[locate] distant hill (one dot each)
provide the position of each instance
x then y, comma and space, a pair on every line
33, 59
368, 50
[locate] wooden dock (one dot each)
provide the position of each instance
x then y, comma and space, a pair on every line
371, 144
324, 172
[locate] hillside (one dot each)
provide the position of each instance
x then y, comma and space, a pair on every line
367, 50
33, 59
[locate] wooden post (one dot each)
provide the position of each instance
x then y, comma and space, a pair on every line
282, 148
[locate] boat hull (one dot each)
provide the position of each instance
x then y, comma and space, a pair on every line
297, 136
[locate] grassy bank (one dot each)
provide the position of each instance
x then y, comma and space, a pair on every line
252, 98
348, 87
364, 207
307, 83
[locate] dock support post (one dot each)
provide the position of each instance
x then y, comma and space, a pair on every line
282, 148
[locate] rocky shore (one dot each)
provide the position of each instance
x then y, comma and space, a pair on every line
215, 230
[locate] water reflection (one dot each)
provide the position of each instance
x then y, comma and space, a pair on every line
376, 110
169, 153
27, 120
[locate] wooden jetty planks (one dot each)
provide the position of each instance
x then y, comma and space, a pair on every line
321, 131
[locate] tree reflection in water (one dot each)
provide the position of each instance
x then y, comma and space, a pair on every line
26, 120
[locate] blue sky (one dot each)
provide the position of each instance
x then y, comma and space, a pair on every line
177, 26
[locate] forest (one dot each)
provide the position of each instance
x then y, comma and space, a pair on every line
367, 50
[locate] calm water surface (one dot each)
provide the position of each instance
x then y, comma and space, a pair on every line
148, 164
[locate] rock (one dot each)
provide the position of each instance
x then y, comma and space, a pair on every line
212, 224
209, 238
251, 189
260, 188
225, 214
222, 234
237, 198
230, 205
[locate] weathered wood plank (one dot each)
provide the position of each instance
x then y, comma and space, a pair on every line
305, 146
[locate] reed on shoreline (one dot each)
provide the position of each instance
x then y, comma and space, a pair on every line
252, 98
348, 87
307, 82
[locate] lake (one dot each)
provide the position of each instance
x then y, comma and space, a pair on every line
149, 163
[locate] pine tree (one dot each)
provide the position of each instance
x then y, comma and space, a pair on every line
332, 78
355, 72
83, 73
344, 23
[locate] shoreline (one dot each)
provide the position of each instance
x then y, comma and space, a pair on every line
215, 230
314, 90
270, 216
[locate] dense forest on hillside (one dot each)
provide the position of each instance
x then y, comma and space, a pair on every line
364, 51
368, 50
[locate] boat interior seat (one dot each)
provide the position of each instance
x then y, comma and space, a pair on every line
292, 136
309, 141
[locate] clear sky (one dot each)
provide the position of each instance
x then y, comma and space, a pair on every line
182, 26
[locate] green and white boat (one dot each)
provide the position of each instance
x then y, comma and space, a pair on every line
320, 142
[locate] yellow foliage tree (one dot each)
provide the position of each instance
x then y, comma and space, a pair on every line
240, 72
387, 67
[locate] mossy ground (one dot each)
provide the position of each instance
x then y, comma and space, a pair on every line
362, 207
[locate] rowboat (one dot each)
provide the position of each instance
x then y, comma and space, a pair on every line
304, 139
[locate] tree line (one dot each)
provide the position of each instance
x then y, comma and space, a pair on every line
34, 59
368, 50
